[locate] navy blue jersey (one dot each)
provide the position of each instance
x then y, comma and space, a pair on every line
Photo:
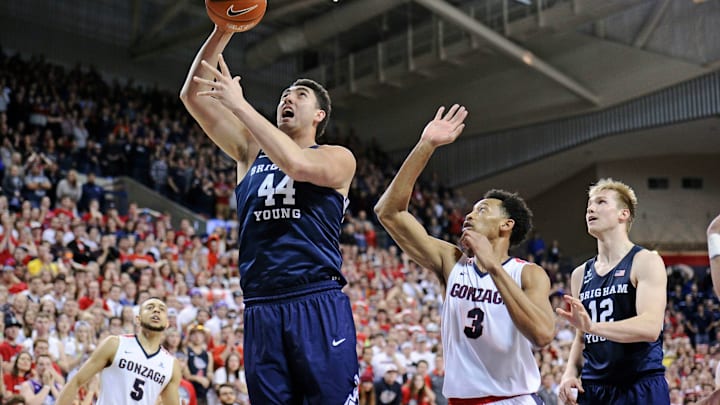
611, 298
289, 231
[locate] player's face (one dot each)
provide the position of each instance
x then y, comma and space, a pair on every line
486, 217
153, 315
603, 212
298, 108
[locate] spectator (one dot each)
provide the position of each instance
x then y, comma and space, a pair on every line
12, 186
366, 390
416, 392
547, 390
70, 187
199, 370
437, 378
37, 184
21, 371
45, 388
91, 191
9, 347
231, 374
387, 389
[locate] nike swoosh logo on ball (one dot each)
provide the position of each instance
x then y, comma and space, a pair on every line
232, 13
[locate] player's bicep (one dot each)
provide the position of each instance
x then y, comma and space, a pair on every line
536, 285
99, 359
170, 394
651, 285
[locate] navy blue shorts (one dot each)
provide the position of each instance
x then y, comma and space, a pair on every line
647, 390
301, 350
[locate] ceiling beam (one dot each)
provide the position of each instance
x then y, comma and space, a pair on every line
651, 23
135, 29
165, 19
315, 31
507, 47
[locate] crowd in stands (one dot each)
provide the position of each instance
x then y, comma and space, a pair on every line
74, 268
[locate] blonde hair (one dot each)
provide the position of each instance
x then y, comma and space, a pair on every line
625, 195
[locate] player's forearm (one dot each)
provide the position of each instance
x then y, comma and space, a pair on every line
641, 328
397, 196
67, 395
281, 149
209, 52
715, 274
575, 359
534, 322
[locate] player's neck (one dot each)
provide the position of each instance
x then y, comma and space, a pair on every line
613, 247
150, 340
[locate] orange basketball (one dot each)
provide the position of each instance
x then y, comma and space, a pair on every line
236, 15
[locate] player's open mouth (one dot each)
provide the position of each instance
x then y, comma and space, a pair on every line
287, 113
155, 318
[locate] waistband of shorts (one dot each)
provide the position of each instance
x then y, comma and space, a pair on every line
480, 401
626, 382
294, 292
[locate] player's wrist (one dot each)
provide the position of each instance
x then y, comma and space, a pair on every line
713, 245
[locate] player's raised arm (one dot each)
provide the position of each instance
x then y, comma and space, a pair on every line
219, 123
392, 208
99, 359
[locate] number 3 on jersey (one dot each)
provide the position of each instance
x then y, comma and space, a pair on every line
475, 329
268, 190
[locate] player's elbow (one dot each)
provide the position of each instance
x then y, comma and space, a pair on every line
543, 337
651, 335
384, 210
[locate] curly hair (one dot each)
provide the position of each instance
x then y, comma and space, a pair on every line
517, 210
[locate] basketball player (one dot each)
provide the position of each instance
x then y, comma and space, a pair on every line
713, 239
299, 330
133, 369
617, 308
496, 307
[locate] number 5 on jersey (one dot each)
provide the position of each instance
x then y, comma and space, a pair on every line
138, 391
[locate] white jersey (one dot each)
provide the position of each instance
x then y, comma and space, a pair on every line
135, 377
485, 354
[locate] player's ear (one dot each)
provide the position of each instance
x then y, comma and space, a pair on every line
320, 115
508, 224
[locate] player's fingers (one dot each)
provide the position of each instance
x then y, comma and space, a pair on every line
439, 113
200, 80
211, 68
223, 66
451, 113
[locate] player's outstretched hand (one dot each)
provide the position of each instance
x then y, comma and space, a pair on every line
224, 88
444, 129
576, 314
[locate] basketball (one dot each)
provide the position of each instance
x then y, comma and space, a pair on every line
236, 15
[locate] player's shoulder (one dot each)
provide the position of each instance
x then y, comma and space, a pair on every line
336, 149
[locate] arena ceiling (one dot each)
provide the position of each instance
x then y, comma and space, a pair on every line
514, 62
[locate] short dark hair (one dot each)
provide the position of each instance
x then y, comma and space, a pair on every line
15, 400
517, 210
226, 385
323, 99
